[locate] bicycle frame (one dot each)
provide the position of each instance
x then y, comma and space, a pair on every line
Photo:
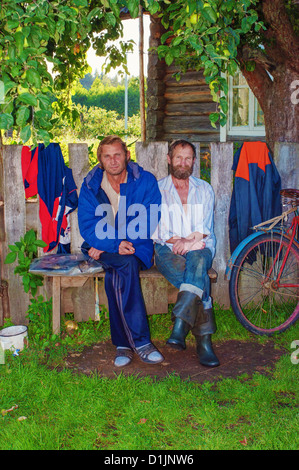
293, 227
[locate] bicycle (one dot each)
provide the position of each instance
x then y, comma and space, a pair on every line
263, 273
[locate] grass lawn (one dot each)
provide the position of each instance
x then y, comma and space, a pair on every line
59, 410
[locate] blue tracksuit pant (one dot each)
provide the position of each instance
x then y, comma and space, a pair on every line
127, 313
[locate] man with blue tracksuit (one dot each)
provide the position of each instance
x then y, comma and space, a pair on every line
114, 214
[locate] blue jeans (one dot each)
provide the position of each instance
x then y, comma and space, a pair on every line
186, 272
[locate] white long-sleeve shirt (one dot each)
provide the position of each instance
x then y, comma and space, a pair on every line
197, 215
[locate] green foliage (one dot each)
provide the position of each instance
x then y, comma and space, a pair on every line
39, 314
36, 33
206, 35
102, 93
24, 251
200, 34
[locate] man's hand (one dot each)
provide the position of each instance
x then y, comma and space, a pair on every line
126, 248
183, 245
94, 253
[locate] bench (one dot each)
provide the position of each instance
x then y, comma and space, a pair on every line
158, 293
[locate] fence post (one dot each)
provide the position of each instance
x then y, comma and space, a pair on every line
221, 180
286, 155
79, 163
83, 298
15, 227
152, 157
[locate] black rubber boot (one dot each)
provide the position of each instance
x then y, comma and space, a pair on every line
205, 352
179, 333
184, 315
203, 329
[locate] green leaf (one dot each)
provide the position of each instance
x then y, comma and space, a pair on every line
110, 19
28, 98
95, 12
209, 14
44, 101
80, 3
214, 117
21, 257
23, 114
10, 258
168, 59
6, 121
166, 36
29, 236
40, 243
25, 133
13, 248
33, 78
19, 39
12, 24
224, 104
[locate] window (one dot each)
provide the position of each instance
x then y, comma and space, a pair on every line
245, 114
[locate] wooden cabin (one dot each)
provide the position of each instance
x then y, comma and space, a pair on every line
180, 109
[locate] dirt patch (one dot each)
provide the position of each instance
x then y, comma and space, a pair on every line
236, 358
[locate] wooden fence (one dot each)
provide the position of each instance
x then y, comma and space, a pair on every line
18, 215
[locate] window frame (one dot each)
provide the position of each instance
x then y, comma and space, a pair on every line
251, 129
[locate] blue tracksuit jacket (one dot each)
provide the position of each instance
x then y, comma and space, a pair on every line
256, 192
132, 223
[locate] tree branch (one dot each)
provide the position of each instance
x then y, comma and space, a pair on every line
258, 80
280, 28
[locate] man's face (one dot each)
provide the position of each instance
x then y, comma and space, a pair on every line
182, 162
113, 158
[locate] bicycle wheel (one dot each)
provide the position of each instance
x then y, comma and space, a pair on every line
262, 305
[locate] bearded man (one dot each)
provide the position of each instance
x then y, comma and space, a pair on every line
184, 250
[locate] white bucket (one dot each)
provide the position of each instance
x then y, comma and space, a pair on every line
13, 337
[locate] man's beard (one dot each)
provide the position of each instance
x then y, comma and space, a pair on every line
179, 172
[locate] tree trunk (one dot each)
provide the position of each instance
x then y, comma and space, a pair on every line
281, 108
275, 79
279, 100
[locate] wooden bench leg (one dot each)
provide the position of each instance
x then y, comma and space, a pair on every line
56, 304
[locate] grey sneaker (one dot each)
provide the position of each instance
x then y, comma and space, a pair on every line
149, 354
123, 357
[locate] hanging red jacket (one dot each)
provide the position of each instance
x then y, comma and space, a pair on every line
45, 173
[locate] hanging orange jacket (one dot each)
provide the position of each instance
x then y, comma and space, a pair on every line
256, 191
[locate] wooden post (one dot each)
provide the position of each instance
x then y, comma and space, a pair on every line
83, 297
79, 163
56, 304
141, 76
15, 227
152, 157
155, 84
221, 180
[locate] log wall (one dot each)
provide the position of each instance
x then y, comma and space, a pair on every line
176, 109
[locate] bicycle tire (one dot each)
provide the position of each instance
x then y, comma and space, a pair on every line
254, 316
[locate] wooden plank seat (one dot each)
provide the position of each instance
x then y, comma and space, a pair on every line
158, 293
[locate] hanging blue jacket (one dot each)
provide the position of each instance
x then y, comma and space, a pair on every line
256, 191
135, 220
45, 173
